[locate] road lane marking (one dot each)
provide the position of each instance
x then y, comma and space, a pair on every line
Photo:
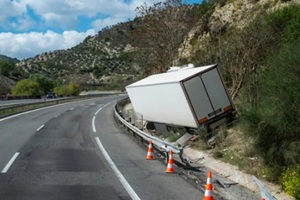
106, 104
93, 124
31, 111
6, 168
57, 115
72, 109
96, 113
117, 172
39, 128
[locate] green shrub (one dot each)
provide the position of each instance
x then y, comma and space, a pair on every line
274, 120
290, 181
27, 87
285, 23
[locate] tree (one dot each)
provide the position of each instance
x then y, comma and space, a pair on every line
46, 84
71, 89
162, 32
6, 67
27, 87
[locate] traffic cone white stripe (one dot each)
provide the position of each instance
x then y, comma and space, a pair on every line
150, 151
208, 195
170, 168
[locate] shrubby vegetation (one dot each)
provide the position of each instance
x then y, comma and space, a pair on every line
27, 87
70, 89
271, 113
39, 85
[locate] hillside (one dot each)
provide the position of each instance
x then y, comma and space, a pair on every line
6, 65
97, 57
8, 59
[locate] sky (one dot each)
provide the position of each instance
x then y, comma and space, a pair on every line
31, 27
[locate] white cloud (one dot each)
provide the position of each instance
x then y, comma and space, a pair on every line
53, 14
26, 45
102, 23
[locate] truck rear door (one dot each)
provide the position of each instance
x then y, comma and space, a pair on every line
216, 92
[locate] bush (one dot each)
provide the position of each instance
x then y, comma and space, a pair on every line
67, 90
290, 181
27, 87
274, 120
285, 23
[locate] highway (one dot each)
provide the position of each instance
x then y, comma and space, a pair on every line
77, 151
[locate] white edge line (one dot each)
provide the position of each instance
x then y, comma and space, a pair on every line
121, 178
93, 124
23, 113
96, 113
106, 104
40, 128
6, 168
16, 115
72, 109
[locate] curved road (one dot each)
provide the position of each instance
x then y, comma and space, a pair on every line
76, 151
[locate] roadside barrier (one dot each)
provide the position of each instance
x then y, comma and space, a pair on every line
208, 195
264, 192
150, 151
146, 136
170, 168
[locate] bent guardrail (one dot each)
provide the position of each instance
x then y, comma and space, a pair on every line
156, 141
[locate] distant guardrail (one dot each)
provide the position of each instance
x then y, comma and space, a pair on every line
146, 136
8, 110
18, 97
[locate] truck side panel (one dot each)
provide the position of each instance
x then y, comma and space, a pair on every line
163, 103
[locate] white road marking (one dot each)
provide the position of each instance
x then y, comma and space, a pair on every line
57, 115
6, 168
96, 113
93, 124
40, 128
121, 178
106, 104
31, 111
72, 109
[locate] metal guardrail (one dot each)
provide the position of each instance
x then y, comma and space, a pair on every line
22, 107
156, 141
264, 193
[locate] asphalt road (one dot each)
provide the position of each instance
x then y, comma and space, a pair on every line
76, 151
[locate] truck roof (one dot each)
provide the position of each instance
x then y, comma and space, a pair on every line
170, 77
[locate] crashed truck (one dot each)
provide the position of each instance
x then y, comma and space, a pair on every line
191, 98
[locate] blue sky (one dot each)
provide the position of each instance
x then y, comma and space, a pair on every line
31, 27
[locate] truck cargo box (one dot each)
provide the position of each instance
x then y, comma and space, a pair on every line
188, 98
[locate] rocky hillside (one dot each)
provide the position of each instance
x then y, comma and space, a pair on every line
6, 84
8, 59
104, 55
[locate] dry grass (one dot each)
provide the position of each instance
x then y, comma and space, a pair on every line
233, 147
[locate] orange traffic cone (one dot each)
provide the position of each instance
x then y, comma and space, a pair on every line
170, 168
150, 151
208, 188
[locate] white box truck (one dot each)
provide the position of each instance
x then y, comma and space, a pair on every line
188, 98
